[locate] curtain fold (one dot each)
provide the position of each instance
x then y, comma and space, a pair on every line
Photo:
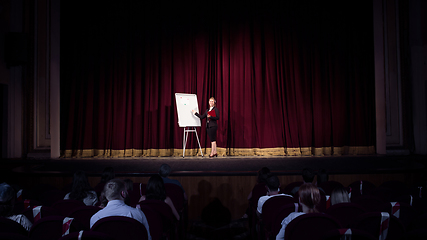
291, 79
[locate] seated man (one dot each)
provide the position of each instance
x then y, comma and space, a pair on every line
307, 176
115, 192
273, 189
7, 202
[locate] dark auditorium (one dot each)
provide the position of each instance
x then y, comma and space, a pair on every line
213, 120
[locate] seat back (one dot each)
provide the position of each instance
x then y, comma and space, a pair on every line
14, 236
83, 215
368, 202
49, 197
418, 234
310, 226
282, 213
121, 228
135, 194
86, 235
66, 206
22, 205
359, 188
10, 226
51, 227
154, 221
44, 212
258, 191
324, 203
345, 212
37, 192
398, 187
372, 223
269, 210
329, 186
420, 222
176, 194
347, 233
169, 222
403, 211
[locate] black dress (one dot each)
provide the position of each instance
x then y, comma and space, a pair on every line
211, 124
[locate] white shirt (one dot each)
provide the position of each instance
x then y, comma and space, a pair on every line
90, 200
23, 220
285, 222
119, 208
262, 200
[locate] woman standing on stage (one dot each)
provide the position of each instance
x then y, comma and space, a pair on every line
212, 115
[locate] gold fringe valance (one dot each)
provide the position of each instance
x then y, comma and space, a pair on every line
279, 151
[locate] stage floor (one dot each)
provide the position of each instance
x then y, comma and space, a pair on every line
219, 166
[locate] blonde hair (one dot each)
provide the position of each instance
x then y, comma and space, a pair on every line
339, 195
214, 101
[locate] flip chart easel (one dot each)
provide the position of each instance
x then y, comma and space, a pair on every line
184, 104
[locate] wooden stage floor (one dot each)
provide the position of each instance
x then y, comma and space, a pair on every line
219, 166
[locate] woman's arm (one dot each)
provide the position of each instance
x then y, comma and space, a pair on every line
217, 115
201, 116
170, 203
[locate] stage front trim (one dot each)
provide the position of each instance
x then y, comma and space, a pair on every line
194, 152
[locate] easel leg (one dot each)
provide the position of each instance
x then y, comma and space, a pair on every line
198, 142
184, 142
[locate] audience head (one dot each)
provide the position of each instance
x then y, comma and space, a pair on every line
107, 174
339, 195
322, 176
273, 183
165, 170
309, 196
129, 188
128, 184
308, 175
115, 189
80, 186
7, 199
262, 174
155, 188
103, 200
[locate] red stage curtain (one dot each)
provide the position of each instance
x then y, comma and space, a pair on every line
292, 79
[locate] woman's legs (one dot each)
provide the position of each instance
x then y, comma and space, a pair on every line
213, 147
212, 136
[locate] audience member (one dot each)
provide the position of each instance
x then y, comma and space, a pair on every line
261, 179
129, 188
115, 192
257, 191
156, 191
273, 189
339, 195
307, 176
309, 197
103, 201
128, 184
106, 176
164, 171
322, 176
81, 190
7, 202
